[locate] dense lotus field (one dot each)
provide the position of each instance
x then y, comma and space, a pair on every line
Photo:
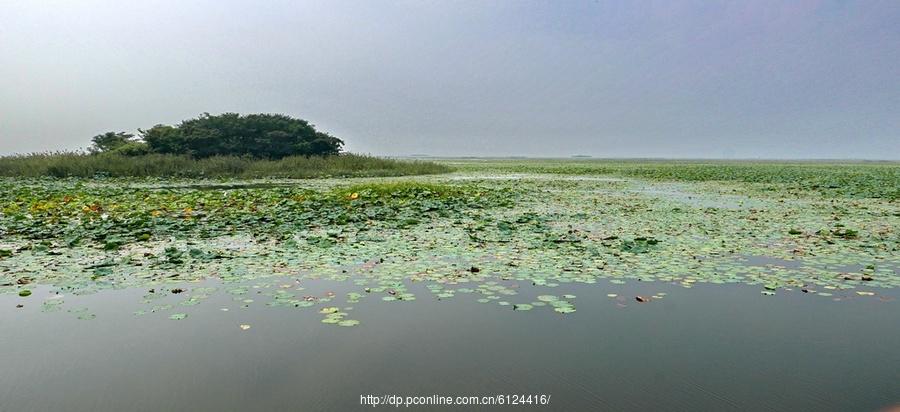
471, 235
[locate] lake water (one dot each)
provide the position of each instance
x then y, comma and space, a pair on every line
711, 347
719, 345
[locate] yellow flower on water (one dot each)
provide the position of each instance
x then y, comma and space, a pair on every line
354, 196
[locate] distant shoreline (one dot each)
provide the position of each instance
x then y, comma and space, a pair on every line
648, 159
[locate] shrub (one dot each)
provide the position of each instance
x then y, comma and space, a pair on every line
132, 149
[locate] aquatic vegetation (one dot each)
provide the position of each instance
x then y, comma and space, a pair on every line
59, 215
857, 180
468, 236
105, 165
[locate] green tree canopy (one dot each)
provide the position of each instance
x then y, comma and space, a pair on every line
110, 141
271, 136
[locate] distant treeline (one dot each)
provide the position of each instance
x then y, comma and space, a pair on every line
263, 136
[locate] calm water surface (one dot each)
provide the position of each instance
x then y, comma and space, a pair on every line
712, 347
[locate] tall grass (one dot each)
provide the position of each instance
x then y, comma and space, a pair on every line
74, 164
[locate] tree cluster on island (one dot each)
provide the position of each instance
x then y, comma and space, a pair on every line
267, 136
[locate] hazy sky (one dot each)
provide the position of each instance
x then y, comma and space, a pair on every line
809, 79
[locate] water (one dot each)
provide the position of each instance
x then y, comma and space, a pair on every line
712, 347
682, 193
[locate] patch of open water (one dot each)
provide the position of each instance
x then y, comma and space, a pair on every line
712, 347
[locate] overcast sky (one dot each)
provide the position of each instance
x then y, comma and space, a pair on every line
775, 79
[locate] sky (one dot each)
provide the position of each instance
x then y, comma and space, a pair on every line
671, 78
